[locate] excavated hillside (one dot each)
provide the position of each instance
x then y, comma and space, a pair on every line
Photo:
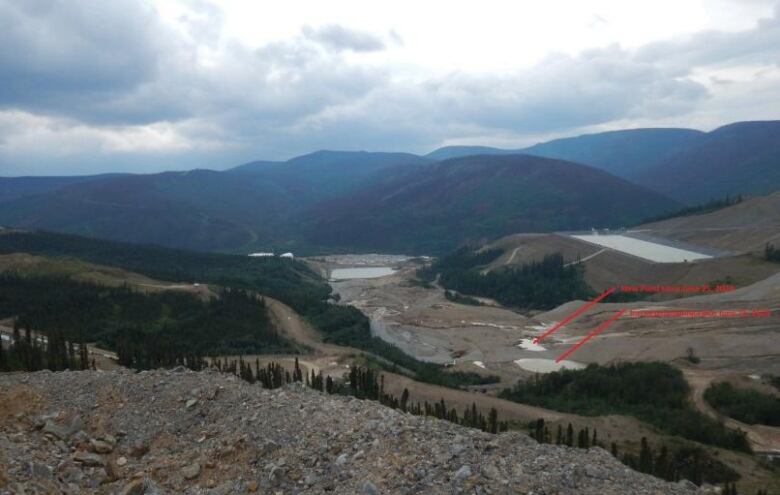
165, 432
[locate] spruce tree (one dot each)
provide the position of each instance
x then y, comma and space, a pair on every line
329, 385
645, 457
405, 399
493, 421
662, 467
539, 430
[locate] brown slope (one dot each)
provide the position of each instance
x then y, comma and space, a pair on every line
605, 268
744, 227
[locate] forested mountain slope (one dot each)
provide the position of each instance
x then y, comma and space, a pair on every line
433, 208
741, 158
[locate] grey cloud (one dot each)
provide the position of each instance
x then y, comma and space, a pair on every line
338, 38
759, 45
297, 95
59, 56
560, 93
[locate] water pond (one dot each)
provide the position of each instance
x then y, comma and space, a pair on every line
360, 272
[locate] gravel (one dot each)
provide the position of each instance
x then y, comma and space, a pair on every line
141, 434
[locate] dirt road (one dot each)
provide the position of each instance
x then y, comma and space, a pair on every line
323, 355
762, 438
294, 327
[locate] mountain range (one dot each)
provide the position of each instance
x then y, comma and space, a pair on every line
688, 165
340, 200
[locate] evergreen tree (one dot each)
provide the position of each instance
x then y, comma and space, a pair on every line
662, 467
539, 430
581, 439
405, 399
570, 435
297, 373
493, 421
645, 457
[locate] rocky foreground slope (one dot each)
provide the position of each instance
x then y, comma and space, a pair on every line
168, 432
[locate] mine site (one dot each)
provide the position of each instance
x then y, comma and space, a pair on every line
390, 248
731, 296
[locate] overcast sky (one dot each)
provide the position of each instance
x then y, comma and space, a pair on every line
132, 85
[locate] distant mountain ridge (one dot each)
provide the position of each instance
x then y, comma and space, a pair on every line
689, 165
435, 207
620, 153
233, 210
741, 158
327, 199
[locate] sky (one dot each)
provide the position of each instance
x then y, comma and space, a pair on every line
89, 86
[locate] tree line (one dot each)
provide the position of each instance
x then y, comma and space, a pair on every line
541, 284
746, 405
47, 350
708, 207
653, 392
146, 330
771, 253
669, 463
289, 281
362, 383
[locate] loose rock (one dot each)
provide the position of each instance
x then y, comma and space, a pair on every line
246, 439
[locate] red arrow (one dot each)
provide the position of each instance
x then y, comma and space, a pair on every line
573, 316
592, 334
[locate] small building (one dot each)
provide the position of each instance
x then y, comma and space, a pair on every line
261, 255
287, 255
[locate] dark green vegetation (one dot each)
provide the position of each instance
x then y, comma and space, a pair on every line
622, 153
771, 253
406, 203
684, 164
708, 207
251, 207
746, 405
739, 158
49, 350
433, 208
18, 187
618, 152
363, 383
289, 281
461, 299
653, 392
671, 463
146, 330
536, 285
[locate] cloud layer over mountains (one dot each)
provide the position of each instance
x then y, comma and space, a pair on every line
100, 86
